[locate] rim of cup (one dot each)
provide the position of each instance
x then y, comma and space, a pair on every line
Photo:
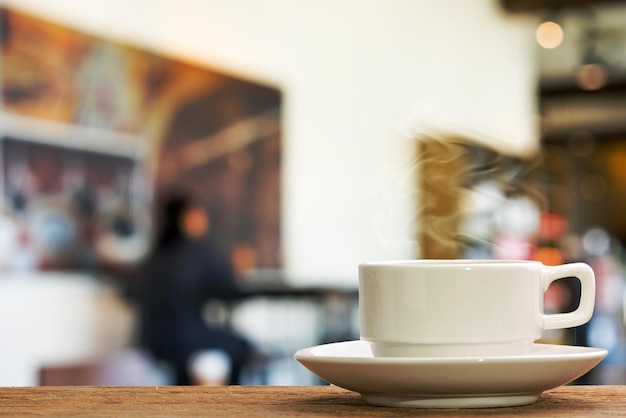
444, 262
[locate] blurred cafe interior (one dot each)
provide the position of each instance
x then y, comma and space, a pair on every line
317, 135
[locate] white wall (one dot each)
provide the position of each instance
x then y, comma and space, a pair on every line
357, 76
56, 319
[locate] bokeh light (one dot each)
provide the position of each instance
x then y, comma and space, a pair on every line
549, 34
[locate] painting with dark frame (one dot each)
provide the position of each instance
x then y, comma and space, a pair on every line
214, 134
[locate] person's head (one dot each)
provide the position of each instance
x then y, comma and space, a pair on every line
194, 221
181, 216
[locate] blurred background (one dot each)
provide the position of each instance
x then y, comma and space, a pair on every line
317, 135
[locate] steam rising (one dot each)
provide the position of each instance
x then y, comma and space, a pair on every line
430, 118
457, 187
396, 198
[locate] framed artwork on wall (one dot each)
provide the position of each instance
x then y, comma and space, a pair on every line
148, 120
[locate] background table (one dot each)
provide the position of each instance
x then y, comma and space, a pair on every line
245, 401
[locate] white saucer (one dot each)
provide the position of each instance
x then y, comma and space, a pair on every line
453, 382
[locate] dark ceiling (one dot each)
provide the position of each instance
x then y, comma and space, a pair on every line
531, 6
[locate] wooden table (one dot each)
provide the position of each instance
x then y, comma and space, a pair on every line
246, 401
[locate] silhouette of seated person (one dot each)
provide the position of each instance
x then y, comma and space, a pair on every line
183, 272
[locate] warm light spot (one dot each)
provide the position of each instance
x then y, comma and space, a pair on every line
617, 162
592, 76
550, 256
552, 226
243, 258
549, 35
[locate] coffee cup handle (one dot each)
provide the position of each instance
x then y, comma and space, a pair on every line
582, 314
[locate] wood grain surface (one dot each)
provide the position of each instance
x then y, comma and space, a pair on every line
246, 401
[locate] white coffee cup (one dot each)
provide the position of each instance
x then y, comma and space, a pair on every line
435, 308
